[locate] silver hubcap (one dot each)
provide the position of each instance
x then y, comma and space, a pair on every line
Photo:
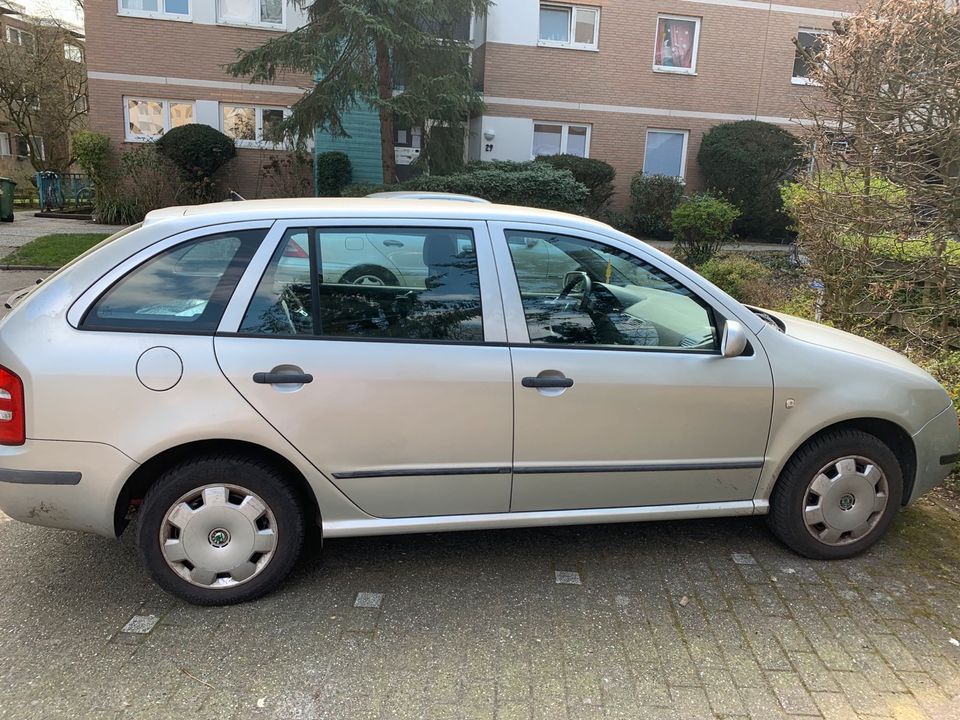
845, 500
218, 536
369, 280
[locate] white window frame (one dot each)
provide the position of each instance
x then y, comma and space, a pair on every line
10, 30
158, 14
564, 134
692, 70
259, 142
571, 27
66, 52
38, 139
280, 26
130, 137
683, 151
809, 31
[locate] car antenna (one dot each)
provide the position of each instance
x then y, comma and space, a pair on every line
234, 196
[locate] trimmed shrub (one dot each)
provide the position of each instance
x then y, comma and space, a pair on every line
198, 151
701, 226
595, 174
334, 173
360, 190
94, 155
738, 275
140, 180
746, 162
533, 184
652, 201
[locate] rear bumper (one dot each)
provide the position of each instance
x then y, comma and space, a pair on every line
937, 445
59, 484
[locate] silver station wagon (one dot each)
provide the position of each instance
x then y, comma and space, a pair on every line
526, 368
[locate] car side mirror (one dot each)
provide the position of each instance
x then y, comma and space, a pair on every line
734, 340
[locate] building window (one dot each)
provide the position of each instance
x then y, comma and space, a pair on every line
149, 119
20, 37
251, 12
166, 9
4, 144
73, 52
675, 48
809, 43
665, 153
250, 124
21, 147
570, 26
561, 138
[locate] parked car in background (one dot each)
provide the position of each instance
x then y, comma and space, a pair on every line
519, 368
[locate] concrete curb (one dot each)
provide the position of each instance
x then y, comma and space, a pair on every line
48, 268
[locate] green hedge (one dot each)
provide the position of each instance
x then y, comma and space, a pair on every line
701, 226
652, 201
532, 184
596, 175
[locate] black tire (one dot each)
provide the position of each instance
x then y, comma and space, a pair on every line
792, 494
255, 476
354, 275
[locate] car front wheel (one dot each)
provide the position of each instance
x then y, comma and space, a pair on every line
837, 495
219, 530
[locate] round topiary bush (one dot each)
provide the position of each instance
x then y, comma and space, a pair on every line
701, 226
595, 174
198, 150
334, 173
746, 162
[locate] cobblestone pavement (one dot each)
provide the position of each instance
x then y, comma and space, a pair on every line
684, 620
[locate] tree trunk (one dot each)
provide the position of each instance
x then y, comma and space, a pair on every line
385, 92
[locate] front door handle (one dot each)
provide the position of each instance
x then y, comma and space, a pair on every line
282, 378
392, 243
547, 382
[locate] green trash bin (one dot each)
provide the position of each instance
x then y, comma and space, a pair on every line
6, 199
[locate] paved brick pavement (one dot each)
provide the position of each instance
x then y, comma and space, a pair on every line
639, 621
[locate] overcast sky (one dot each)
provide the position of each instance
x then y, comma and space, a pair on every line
65, 10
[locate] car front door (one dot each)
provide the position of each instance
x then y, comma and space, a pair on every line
400, 395
621, 396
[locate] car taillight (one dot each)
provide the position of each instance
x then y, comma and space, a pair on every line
292, 250
11, 409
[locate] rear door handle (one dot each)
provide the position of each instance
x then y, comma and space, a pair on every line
392, 243
547, 382
282, 378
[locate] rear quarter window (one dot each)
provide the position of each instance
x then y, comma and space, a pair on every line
184, 289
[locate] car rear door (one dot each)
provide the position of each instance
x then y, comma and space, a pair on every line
621, 397
401, 396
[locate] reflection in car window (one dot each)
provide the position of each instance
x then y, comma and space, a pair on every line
183, 289
389, 283
581, 292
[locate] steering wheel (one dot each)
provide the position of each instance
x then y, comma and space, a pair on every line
581, 277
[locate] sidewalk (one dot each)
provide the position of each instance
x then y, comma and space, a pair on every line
25, 227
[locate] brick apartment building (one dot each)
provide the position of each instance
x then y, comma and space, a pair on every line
632, 82
20, 32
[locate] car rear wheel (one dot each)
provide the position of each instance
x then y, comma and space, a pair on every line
218, 530
369, 275
837, 495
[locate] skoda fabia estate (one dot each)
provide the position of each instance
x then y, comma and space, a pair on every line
542, 369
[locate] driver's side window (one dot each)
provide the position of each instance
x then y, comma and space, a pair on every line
606, 297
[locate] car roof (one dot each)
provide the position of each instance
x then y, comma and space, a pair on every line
367, 208
425, 195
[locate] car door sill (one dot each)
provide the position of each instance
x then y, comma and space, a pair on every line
490, 521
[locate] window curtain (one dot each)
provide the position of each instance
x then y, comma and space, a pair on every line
241, 10
142, 5
675, 43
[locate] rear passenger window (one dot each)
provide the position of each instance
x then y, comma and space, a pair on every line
183, 289
387, 283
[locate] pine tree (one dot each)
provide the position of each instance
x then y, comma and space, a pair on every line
397, 56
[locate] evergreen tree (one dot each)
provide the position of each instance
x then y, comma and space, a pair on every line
398, 56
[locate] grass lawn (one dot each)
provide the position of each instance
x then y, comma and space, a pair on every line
53, 250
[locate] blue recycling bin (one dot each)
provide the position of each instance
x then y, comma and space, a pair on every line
51, 192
